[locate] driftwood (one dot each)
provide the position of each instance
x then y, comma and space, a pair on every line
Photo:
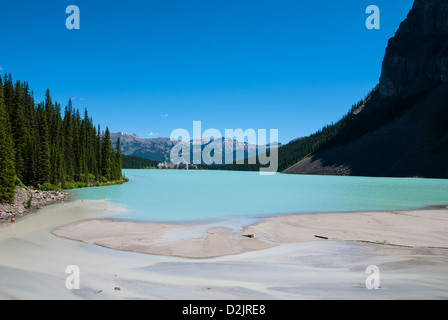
248, 235
320, 237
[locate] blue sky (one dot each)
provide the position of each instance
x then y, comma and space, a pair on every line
152, 66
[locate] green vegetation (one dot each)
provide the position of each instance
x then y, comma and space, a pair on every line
29, 202
7, 170
44, 148
349, 128
130, 162
49, 187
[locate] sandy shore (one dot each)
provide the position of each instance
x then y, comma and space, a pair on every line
33, 260
420, 228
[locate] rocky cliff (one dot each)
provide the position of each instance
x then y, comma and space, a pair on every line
414, 81
417, 56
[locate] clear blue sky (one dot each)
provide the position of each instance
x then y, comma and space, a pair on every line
151, 66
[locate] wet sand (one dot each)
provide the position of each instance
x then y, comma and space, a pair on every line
272, 265
419, 228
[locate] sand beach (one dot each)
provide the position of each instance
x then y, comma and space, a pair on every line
283, 260
414, 229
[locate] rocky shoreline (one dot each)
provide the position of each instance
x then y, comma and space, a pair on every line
28, 200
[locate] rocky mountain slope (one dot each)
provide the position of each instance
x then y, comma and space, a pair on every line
157, 149
417, 56
413, 98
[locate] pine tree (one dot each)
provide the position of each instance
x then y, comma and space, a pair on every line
56, 147
39, 145
44, 162
69, 155
99, 160
8, 92
106, 154
29, 154
88, 146
7, 183
119, 160
78, 145
19, 129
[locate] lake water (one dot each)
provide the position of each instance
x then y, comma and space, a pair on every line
198, 196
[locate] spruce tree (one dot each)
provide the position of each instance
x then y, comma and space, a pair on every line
43, 169
119, 159
78, 145
8, 93
39, 145
57, 146
69, 155
29, 153
7, 183
99, 160
106, 154
19, 129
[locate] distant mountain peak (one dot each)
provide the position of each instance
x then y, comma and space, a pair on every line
159, 149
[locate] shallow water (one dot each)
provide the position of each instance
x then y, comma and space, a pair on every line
187, 196
33, 261
33, 265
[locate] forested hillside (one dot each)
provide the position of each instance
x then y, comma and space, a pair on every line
400, 128
43, 146
341, 132
401, 131
130, 162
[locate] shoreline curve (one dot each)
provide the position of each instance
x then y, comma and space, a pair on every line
426, 228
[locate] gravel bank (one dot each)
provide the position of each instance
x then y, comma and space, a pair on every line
28, 200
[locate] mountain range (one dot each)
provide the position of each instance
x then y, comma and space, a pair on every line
400, 129
159, 149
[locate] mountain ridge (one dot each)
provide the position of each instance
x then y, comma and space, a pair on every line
159, 149
406, 115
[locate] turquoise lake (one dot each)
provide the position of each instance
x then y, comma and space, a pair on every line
198, 196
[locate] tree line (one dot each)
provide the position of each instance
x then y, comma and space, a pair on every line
131, 162
350, 127
41, 145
